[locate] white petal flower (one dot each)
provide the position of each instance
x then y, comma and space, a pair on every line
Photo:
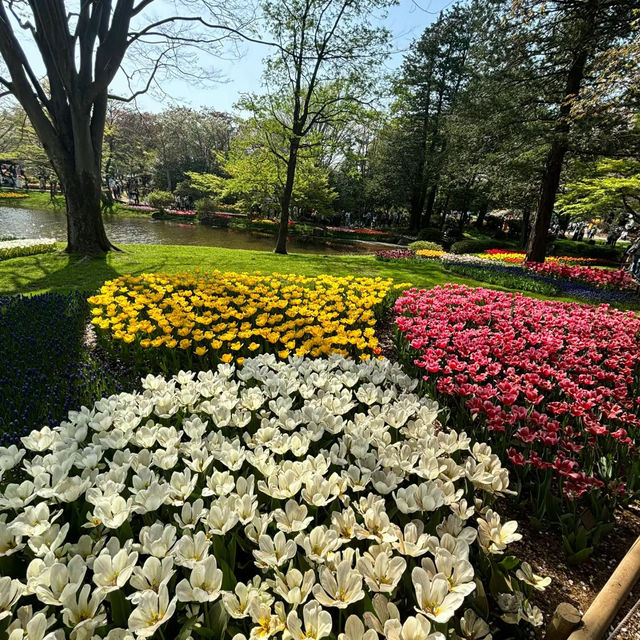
204, 583
317, 623
10, 593
434, 599
354, 630
153, 610
525, 573
340, 589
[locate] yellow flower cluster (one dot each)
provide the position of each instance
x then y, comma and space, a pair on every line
519, 256
12, 194
429, 253
199, 319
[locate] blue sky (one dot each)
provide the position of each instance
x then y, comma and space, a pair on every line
406, 21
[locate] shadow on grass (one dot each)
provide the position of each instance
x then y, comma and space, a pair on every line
62, 272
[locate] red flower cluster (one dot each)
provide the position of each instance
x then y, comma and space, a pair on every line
555, 384
600, 278
395, 254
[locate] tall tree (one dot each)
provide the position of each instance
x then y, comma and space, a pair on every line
559, 47
257, 171
433, 75
81, 48
325, 53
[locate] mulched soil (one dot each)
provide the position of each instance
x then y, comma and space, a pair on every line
543, 550
577, 585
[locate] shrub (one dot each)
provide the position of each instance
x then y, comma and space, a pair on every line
198, 320
478, 246
553, 387
160, 200
596, 251
430, 235
312, 494
206, 206
425, 244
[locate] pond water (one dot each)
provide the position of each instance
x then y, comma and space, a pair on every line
28, 223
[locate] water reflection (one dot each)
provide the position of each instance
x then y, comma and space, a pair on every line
27, 223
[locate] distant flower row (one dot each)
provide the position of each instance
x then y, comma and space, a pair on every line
25, 247
12, 195
617, 279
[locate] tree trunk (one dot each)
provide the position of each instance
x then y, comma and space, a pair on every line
482, 214
524, 232
418, 198
285, 204
85, 229
536, 248
431, 200
537, 245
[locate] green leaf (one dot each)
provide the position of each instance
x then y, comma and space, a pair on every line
509, 563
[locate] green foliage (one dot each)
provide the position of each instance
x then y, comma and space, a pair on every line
430, 235
206, 206
480, 245
205, 184
608, 188
425, 244
598, 251
257, 173
160, 200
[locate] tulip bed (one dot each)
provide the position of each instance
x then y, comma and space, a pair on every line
554, 387
199, 320
518, 257
612, 279
27, 247
314, 498
12, 195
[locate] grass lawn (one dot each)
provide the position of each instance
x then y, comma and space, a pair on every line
41, 201
60, 272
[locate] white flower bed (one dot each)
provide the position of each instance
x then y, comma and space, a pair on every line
300, 499
466, 258
26, 242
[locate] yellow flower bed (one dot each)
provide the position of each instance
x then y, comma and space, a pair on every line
12, 194
499, 255
196, 320
429, 253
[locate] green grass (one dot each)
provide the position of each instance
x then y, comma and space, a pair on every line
61, 272
42, 201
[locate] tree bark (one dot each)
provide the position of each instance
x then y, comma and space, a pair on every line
524, 232
85, 229
285, 204
431, 200
536, 248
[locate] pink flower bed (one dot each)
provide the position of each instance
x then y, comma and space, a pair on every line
370, 232
395, 254
555, 386
600, 278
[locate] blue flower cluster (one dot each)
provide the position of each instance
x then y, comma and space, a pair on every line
46, 369
567, 288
